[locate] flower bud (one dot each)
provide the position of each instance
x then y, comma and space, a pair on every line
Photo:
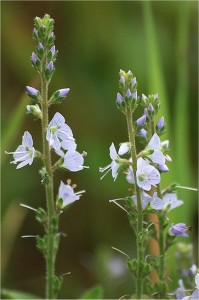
144, 100
164, 146
34, 110
40, 48
163, 168
59, 95
35, 60
160, 126
119, 99
151, 111
49, 70
33, 93
140, 122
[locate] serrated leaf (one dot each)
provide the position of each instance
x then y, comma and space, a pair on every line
95, 292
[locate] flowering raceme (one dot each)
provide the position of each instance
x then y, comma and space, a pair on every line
143, 171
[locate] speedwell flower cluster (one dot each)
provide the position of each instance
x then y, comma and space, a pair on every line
58, 134
143, 171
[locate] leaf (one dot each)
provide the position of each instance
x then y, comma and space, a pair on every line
13, 294
95, 292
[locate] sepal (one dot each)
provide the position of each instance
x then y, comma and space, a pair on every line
57, 284
41, 215
34, 110
41, 243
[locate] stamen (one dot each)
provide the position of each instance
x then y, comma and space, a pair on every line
105, 173
80, 192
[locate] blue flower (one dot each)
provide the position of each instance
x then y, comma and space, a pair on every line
25, 153
58, 131
73, 161
67, 194
146, 174
179, 229
114, 166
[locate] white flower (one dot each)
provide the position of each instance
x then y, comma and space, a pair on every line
146, 174
58, 131
157, 156
73, 161
67, 194
25, 153
114, 166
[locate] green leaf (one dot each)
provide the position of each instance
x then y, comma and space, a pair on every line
13, 294
95, 292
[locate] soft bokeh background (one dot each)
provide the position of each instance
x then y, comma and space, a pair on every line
158, 42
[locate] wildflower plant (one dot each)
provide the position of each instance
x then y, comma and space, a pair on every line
57, 137
143, 171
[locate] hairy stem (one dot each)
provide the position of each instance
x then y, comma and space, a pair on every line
50, 255
139, 229
161, 238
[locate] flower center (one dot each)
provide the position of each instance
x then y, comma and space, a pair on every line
54, 129
142, 177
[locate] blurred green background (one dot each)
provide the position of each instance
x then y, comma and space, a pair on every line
158, 42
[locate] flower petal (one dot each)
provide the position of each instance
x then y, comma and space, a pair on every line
154, 143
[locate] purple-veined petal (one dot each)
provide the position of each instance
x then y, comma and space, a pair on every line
27, 139
154, 143
73, 161
124, 148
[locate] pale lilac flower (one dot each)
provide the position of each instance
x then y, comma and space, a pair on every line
50, 66
171, 201
35, 32
58, 131
122, 80
52, 50
114, 166
73, 161
130, 175
32, 91
133, 82
179, 229
160, 123
143, 133
34, 58
157, 156
141, 121
63, 92
180, 291
120, 99
195, 295
25, 153
163, 168
154, 201
146, 174
144, 98
193, 270
150, 108
67, 194
128, 94
124, 148
135, 95
40, 46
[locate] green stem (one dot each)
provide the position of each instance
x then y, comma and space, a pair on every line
161, 239
139, 229
50, 255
